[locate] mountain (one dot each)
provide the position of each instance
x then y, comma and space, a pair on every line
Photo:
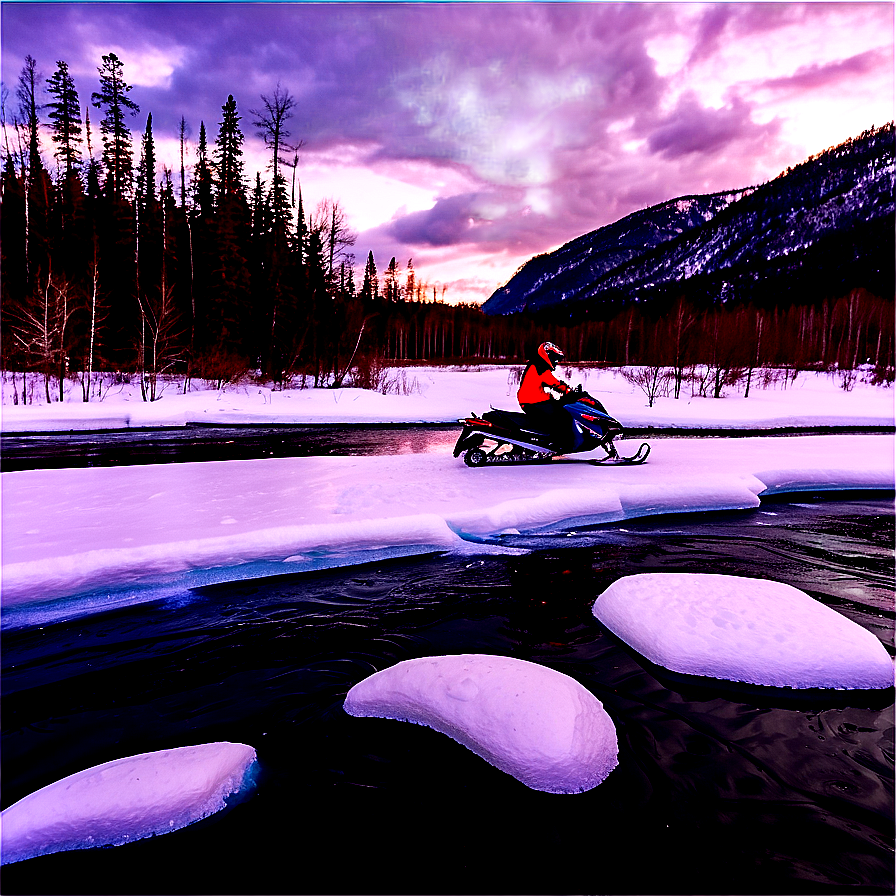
826, 224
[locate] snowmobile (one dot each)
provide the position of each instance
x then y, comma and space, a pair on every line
512, 437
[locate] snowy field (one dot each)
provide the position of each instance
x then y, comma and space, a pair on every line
442, 395
108, 535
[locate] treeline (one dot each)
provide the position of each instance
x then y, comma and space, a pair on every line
842, 333
113, 262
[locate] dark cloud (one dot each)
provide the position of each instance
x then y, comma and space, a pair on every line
694, 129
552, 116
489, 220
413, 78
450, 221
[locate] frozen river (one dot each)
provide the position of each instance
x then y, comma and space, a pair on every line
720, 788
194, 442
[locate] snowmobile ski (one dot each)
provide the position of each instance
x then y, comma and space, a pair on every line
620, 460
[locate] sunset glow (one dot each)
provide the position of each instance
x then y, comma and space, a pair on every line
470, 137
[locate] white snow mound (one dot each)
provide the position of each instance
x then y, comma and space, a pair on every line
742, 629
534, 723
125, 800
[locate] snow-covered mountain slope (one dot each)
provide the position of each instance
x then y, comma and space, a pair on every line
829, 219
559, 276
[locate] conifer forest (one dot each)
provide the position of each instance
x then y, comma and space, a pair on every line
114, 262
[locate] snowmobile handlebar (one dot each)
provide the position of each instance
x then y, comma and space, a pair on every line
572, 395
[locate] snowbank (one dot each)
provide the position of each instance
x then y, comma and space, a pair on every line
532, 722
742, 629
126, 800
442, 395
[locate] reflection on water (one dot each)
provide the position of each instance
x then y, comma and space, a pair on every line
720, 789
195, 443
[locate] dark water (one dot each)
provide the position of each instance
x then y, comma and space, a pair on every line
196, 443
720, 789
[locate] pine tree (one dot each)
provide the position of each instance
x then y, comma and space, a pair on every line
146, 171
148, 216
71, 235
370, 286
229, 293
29, 111
182, 135
117, 152
113, 212
410, 287
13, 283
280, 210
228, 153
93, 166
391, 288
199, 244
37, 182
203, 196
260, 223
65, 114
301, 235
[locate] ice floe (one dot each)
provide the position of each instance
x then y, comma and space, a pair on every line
742, 629
126, 800
534, 723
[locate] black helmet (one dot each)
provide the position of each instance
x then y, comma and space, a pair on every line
550, 353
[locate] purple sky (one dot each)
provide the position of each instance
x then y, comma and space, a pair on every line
471, 136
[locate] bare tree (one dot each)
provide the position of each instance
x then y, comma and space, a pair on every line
271, 124
652, 380
156, 350
725, 365
755, 357
681, 323
96, 313
41, 330
329, 220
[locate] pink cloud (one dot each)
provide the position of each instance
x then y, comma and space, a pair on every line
821, 75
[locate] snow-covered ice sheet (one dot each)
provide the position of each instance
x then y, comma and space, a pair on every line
98, 530
126, 800
742, 629
532, 722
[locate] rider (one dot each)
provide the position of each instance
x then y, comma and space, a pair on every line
535, 400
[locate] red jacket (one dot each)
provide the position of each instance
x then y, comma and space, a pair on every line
535, 384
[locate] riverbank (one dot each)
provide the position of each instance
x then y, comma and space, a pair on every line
443, 395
